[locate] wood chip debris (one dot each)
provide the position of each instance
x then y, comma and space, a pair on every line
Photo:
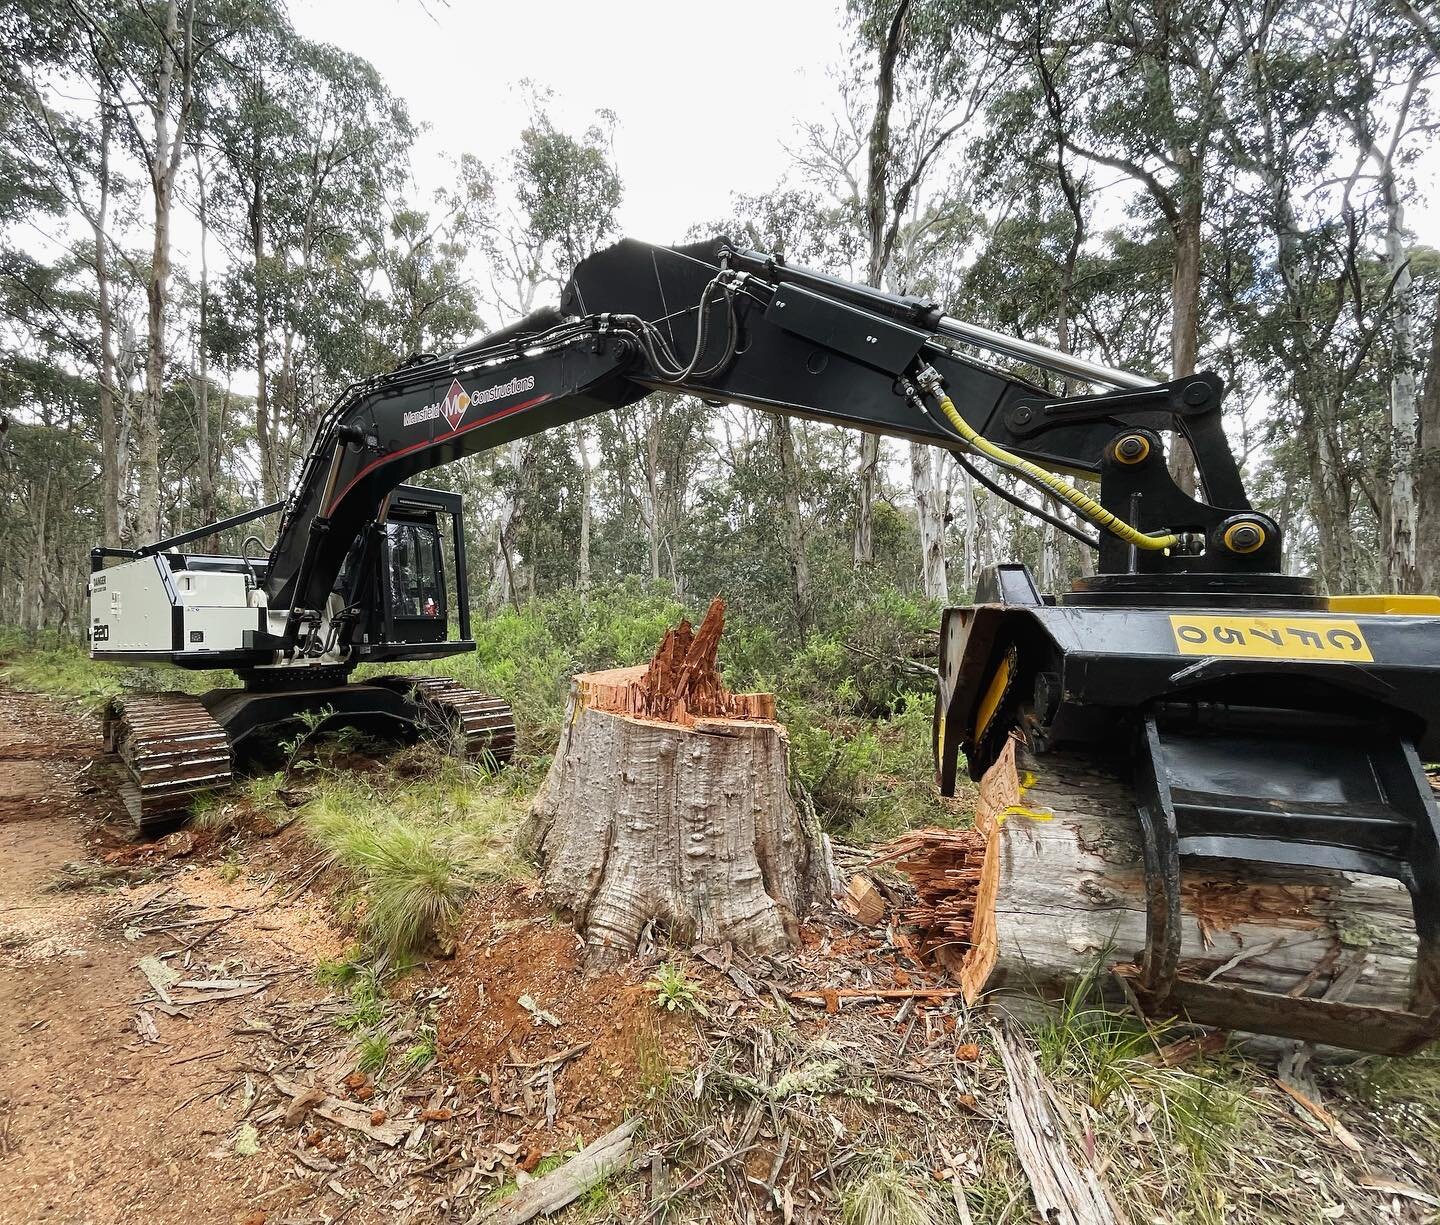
160, 976
945, 866
863, 900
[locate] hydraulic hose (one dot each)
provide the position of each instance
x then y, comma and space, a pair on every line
1087, 506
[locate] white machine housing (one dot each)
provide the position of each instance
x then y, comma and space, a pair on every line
146, 610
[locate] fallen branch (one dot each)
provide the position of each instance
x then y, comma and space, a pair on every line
1066, 1193
592, 1164
877, 993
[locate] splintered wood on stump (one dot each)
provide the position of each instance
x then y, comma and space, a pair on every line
668, 802
1050, 884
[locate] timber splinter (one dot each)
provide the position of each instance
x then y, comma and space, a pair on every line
1252, 718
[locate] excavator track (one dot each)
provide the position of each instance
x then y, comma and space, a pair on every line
169, 752
484, 726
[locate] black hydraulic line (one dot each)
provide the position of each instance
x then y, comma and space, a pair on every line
1038, 511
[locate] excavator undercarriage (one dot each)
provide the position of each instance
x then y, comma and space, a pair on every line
1248, 718
173, 748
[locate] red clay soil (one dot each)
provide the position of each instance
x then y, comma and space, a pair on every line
510, 947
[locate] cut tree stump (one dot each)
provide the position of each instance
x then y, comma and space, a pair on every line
668, 803
1049, 887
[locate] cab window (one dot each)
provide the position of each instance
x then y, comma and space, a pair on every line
414, 579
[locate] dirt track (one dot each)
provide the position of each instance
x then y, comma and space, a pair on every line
96, 1122
116, 1107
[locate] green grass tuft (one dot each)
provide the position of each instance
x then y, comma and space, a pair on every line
339, 973
1404, 1092
417, 850
373, 1053
367, 1003
423, 1052
887, 1194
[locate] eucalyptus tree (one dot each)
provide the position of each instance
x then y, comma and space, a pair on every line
148, 60
1142, 87
1379, 79
921, 72
56, 160
561, 193
310, 145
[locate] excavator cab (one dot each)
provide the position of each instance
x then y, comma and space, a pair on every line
413, 579
405, 592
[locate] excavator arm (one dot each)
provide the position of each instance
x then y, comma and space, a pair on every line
735, 326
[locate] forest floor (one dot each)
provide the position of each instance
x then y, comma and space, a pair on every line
188, 1033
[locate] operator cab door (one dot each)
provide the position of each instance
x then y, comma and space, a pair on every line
412, 579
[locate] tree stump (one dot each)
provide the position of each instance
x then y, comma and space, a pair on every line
1049, 887
668, 803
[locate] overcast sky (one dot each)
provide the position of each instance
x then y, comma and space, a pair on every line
707, 95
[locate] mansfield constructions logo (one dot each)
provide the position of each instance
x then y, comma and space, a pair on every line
457, 400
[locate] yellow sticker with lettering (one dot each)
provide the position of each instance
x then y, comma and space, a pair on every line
1270, 637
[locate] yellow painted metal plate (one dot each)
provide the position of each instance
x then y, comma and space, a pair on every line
1405, 605
990, 703
1334, 638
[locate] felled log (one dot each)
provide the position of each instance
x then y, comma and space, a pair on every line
1049, 888
668, 804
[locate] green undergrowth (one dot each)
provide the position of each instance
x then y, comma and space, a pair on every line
856, 700
415, 847
855, 694
62, 668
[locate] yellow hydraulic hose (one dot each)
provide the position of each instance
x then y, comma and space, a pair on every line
1087, 506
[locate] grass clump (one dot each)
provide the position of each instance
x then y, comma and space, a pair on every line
887, 1194
367, 1002
373, 1053
339, 973
423, 1051
416, 850
1185, 1123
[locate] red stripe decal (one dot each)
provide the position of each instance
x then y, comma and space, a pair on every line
430, 442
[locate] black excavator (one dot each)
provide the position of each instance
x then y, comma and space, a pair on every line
1257, 719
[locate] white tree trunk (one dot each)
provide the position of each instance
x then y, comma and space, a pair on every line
797, 537
930, 512
866, 480
586, 480
1402, 565
503, 587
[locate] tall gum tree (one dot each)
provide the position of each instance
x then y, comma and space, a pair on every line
147, 58
920, 75
564, 194
1150, 82
1382, 70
